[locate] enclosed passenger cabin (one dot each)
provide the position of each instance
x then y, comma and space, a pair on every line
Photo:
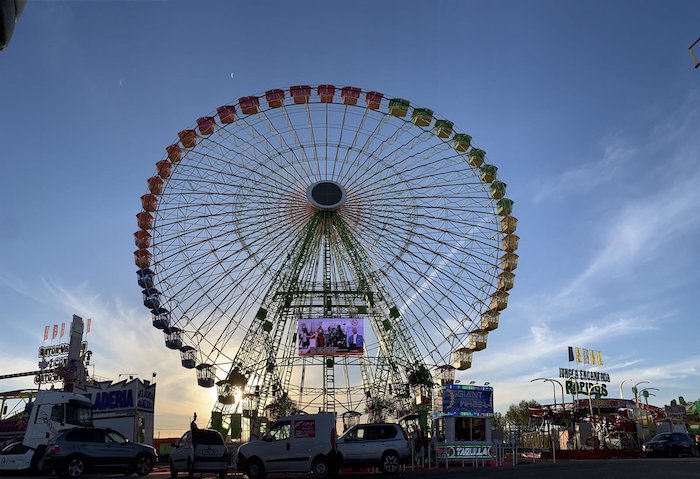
398, 107
476, 157
145, 277
188, 357
510, 243
443, 128
155, 185
206, 125
509, 224
173, 338
505, 280
504, 206
462, 142
275, 98
445, 374
499, 301
161, 318
227, 114
205, 375
476, 340
144, 220
151, 298
462, 359
498, 190
350, 95
488, 173
149, 202
422, 116
489, 320
250, 105
164, 169
226, 392
326, 93
509, 262
174, 153
373, 99
188, 138
142, 239
300, 93
142, 258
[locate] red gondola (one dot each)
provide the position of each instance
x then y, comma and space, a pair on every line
174, 153
206, 125
144, 220
149, 202
155, 185
142, 239
275, 98
350, 95
300, 93
164, 168
250, 105
326, 93
227, 114
188, 138
142, 258
373, 99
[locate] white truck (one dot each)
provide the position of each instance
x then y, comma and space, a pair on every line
50, 413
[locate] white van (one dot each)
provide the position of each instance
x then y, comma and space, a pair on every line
301, 443
199, 450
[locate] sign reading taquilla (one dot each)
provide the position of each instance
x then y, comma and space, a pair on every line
471, 451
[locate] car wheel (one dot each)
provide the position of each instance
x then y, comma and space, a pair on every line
223, 474
144, 464
75, 466
320, 468
255, 470
693, 451
390, 463
173, 472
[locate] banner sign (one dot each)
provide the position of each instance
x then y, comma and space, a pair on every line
583, 375
463, 400
585, 356
59, 349
471, 451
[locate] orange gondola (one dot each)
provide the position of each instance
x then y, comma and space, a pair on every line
250, 105
326, 92
373, 99
275, 98
227, 114
206, 125
188, 138
144, 220
164, 168
174, 153
350, 95
300, 93
149, 202
142, 239
155, 185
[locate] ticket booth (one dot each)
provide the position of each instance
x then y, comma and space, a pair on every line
462, 416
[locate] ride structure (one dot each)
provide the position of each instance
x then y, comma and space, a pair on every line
324, 249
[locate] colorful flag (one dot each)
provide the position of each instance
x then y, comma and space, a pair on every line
571, 354
46, 333
586, 356
578, 355
88, 325
55, 331
63, 328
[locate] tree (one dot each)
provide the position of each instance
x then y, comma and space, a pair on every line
498, 422
519, 414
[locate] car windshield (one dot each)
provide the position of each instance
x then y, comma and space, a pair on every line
79, 414
661, 437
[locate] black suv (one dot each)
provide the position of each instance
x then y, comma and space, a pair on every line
75, 451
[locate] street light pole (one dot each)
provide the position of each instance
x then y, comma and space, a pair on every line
623, 382
634, 390
554, 393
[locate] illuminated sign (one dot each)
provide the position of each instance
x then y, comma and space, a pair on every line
331, 337
464, 400
472, 451
59, 349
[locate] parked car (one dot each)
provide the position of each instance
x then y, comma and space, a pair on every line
300, 443
16, 457
383, 445
199, 450
670, 444
75, 451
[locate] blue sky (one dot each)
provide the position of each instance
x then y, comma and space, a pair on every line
591, 110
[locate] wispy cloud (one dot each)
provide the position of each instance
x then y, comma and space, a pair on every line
589, 175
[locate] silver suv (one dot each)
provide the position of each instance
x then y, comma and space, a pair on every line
75, 451
384, 445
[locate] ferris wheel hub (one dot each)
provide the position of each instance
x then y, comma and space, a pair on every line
326, 195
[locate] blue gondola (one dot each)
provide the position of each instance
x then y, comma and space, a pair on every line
151, 298
173, 338
187, 356
161, 318
145, 278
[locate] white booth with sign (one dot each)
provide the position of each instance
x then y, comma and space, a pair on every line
126, 407
462, 416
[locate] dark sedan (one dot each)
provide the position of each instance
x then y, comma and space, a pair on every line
670, 444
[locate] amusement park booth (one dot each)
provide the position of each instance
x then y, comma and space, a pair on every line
462, 416
125, 406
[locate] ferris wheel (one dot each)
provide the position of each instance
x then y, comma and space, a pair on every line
324, 248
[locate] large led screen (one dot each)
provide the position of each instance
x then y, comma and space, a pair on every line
331, 337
